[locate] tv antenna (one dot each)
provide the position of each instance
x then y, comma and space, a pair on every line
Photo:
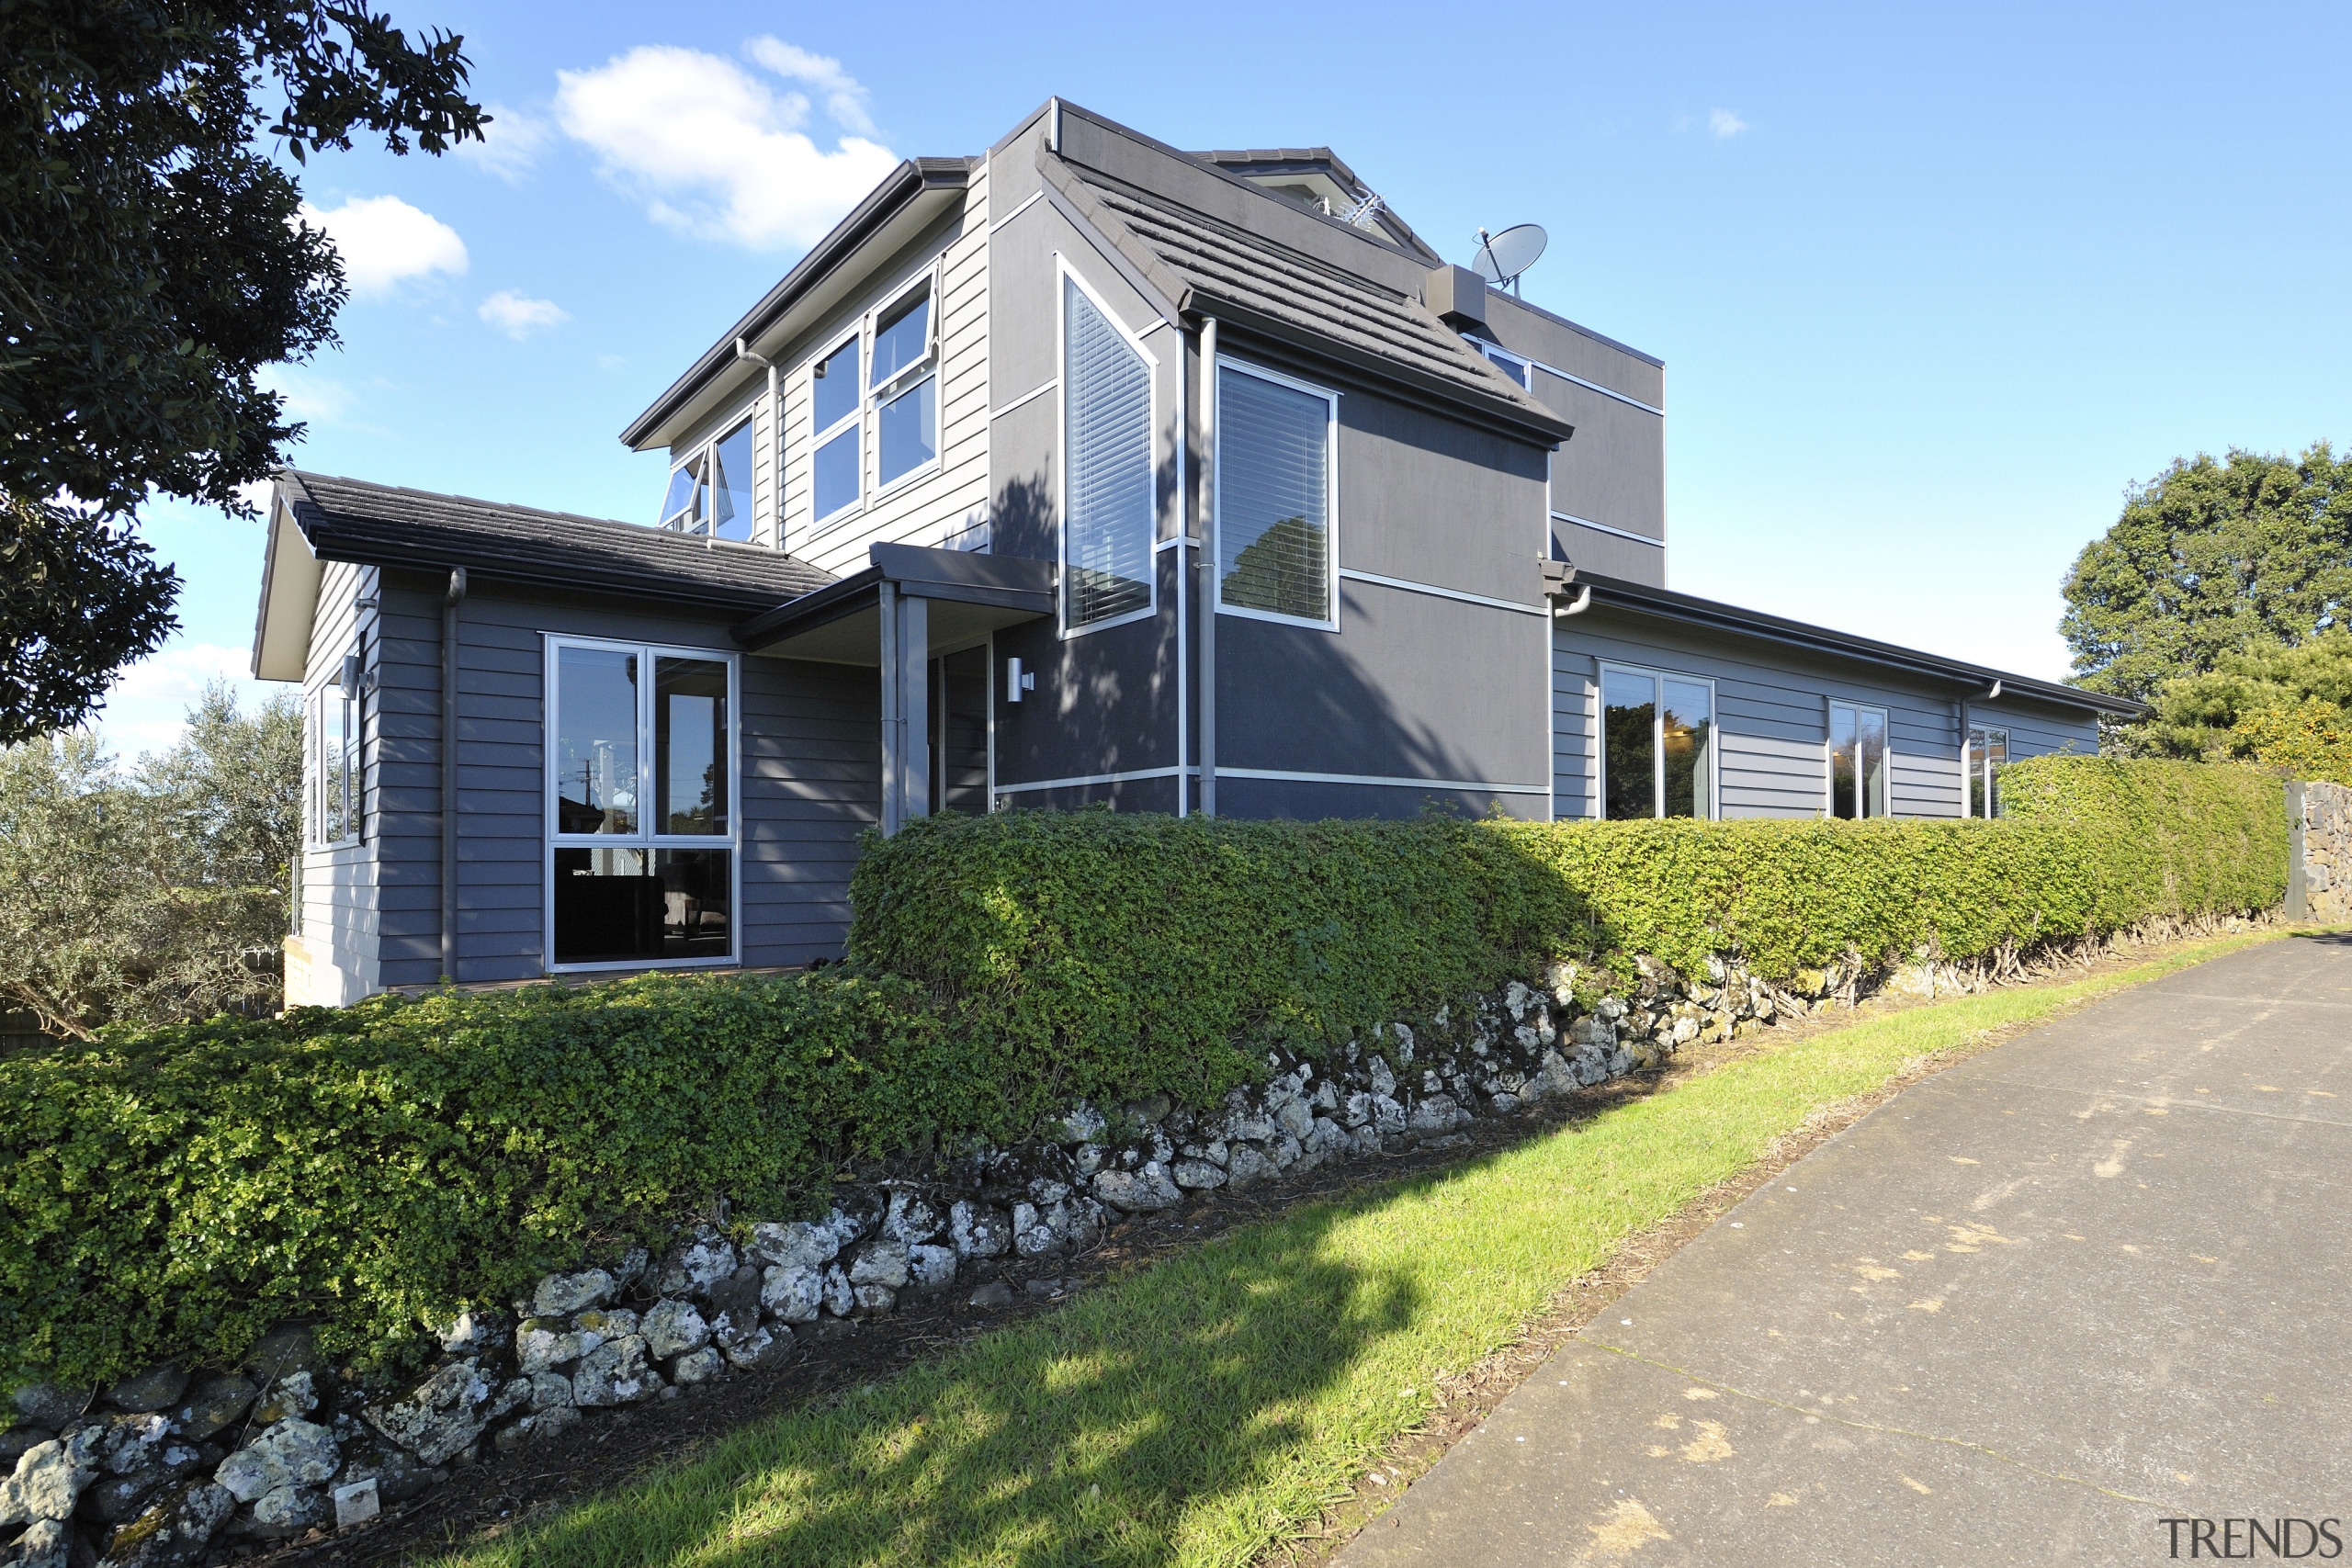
1502, 257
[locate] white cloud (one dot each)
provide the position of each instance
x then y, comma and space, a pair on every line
519, 315
511, 144
146, 708
714, 151
310, 397
384, 241
844, 94
1723, 122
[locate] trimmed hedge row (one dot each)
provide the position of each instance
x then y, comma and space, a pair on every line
1149, 946
179, 1190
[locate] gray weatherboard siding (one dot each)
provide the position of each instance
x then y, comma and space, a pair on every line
1772, 711
811, 781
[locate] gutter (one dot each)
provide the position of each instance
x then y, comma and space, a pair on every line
1665, 605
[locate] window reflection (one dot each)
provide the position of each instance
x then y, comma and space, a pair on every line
1857, 762
619, 906
731, 484
1685, 739
595, 750
690, 745
1629, 728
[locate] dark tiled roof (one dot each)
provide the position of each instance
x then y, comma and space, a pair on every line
1190, 256
377, 525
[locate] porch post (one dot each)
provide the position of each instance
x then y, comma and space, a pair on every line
914, 708
893, 801
906, 702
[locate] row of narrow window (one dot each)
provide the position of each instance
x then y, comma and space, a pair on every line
1658, 754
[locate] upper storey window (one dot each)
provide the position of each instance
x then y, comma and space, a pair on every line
1106, 537
833, 405
710, 493
904, 383
1504, 360
875, 392
1273, 494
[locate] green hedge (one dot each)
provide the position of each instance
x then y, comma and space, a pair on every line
1151, 951
176, 1192
180, 1190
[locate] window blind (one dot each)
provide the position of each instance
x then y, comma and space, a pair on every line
1273, 520
1107, 542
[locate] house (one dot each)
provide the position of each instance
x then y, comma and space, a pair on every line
1083, 470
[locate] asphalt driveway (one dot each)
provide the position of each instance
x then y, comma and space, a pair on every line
2025, 1312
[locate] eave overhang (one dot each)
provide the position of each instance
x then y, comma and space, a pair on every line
1685, 609
910, 199
970, 594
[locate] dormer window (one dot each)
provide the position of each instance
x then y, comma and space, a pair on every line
710, 493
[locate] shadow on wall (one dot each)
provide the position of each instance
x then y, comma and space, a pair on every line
1304, 701
1084, 1436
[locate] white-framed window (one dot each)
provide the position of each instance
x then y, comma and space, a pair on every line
1277, 496
1858, 761
1107, 501
1988, 753
710, 491
1658, 744
837, 464
643, 827
336, 805
902, 383
1517, 367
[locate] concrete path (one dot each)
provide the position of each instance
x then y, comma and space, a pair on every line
2088, 1281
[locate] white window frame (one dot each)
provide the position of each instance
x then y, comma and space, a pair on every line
731, 841
351, 775
1657, 739
1062, 269
701, 452
1495, 353
1968, 744
932, 363
1830, 754
854, 339
1331, 499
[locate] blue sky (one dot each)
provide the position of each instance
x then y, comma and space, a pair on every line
1932, 284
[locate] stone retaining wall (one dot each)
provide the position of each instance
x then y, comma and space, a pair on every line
2322, 850
168, 1469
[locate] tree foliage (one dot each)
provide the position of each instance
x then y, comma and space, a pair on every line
152, 264
79, 597
2208, 558
136, 897
2288, 707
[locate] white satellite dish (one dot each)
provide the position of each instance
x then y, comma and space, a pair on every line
1504, 256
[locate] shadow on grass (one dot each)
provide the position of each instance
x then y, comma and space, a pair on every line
1107, 1432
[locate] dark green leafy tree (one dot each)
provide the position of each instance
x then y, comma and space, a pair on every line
152, 264
79, 597
2289, 706
2208, 559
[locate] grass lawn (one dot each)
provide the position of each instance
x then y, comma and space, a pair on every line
1194, 1411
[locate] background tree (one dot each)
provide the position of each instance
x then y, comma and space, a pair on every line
2291, 707
152, 264
136, 897
2208, 558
